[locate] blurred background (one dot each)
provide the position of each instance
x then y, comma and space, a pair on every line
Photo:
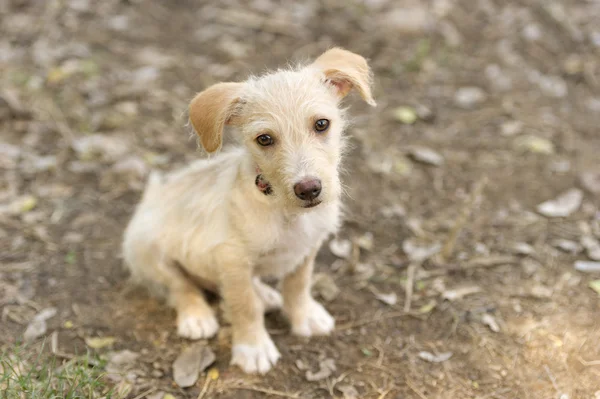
468, 266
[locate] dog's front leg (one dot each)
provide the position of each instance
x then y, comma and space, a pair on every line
253, 350
307, 316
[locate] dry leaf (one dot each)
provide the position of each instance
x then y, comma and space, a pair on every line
491, 322
405, 115
340, 248
563, 205
190, 363
587, 266
34, 330
595, 285
426, 155
452, 295
428, 307
326, 368
592, 247
99, 342
419, 252
534, 144
431, 358
389, 299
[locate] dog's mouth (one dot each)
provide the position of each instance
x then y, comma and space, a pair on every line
311, 204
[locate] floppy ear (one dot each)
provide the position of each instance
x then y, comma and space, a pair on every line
345, 70
211, 110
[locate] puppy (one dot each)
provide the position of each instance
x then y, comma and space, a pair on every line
261, 209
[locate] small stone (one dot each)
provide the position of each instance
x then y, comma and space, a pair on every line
553, 86
511, 128
190, 363
123, 357
348, 391
100, 146
573, 65
417, 252
469, 97
540, 291
157, 374
410, 20
365, 241
324, 286
560, 166
591, 181
425, 113
393, 211
522, 248
563, 205
426, 155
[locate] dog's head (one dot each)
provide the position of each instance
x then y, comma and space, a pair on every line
291, 123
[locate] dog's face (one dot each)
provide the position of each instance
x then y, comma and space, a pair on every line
290, 122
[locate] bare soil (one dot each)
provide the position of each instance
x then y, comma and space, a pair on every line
125, 70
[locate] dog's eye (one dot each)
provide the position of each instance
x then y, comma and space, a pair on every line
321, 125
265, 140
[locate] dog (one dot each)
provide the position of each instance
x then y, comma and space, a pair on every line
260, 209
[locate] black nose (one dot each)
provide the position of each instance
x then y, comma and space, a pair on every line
308, 189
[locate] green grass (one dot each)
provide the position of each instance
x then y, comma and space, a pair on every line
25, 374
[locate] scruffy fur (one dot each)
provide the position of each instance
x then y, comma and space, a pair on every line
209, 225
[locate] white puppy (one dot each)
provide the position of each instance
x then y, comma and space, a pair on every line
261, 209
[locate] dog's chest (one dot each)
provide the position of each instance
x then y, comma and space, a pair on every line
290, 240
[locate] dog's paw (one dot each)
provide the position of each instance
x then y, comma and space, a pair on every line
316, 321
270, 297
255, 358
197, 326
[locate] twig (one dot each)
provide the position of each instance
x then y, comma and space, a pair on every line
475, 263
204, 387
384, 393
354, 257
415, 390
461, 220
410, 282
359, 323
551, 378
144, 394
268, 391
589, 363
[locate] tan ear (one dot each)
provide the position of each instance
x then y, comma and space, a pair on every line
345, 71
211, 110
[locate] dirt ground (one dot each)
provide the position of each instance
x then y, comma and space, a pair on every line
507, 96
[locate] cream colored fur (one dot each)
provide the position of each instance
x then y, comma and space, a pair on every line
210, 225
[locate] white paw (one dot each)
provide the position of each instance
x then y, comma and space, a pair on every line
270, 297
197, 327
317, 321
256, 358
